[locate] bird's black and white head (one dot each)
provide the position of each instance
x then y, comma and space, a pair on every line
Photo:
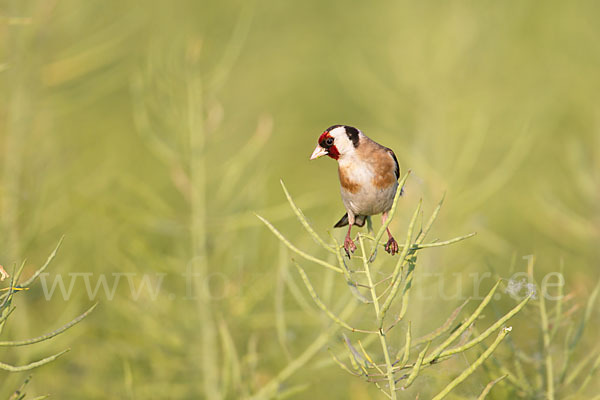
337, 141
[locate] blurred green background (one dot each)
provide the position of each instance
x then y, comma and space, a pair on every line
148, 133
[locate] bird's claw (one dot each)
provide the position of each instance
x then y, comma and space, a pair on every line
391, 246
349, 246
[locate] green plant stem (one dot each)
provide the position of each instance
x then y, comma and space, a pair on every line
304, 222
388, 364
430, 222
396, 278
232, 367
489, 387
480, 338
546, 341
199, 250
416, 367
369, 278
48, 335
280, 321
592, 371
442, 329
369, 358
296, 250
443, 243
434, 355
43, 267
559, 303
341, 364
322, 305
467, 372
577, 369
381, 334
407, 345
32, 365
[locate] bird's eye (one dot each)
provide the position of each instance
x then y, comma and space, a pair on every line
329, 141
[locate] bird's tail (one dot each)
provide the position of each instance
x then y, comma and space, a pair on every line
359, 220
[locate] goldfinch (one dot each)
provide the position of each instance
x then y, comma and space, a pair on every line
368, 174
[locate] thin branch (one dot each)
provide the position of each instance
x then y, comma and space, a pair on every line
489, 387
546, 341
416, 368
48, 335
322, 305
464, 326
43, 267
296, 250
442, 329
32, 365
342, 365
304, 222
398, 268
488, 331
467, 372
368, 274
444, 243
407, 346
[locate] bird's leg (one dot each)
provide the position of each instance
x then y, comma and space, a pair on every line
349, 245
391, 246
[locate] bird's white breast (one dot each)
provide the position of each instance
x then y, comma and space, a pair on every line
368, 199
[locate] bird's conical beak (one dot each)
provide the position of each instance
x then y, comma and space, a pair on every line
319, 152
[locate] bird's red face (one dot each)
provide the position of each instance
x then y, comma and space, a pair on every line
326, 147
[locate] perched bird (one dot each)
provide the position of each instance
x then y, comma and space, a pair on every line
368, 174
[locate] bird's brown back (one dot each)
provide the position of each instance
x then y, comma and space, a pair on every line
382, 161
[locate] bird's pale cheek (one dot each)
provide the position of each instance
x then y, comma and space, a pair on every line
334, 153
